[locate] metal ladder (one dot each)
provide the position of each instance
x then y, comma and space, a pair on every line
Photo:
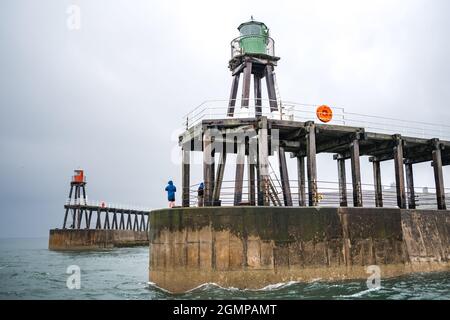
273, 190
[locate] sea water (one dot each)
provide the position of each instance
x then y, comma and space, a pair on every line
28, 270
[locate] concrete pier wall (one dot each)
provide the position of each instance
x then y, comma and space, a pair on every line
68, 239
252, 247
426, 235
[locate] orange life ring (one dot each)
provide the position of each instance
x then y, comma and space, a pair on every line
324, 113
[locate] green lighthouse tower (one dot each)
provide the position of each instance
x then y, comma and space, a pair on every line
253, 53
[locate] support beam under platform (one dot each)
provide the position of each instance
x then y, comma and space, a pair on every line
311, 163
251, 182
219, 178
342, 180
377, 183
263, 162
399, 173
284, 177
438, 177
185, 176
239, 178
301, 181
356, 174
208, 167
410, 186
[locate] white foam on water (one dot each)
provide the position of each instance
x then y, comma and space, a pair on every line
275, 286
202, 286
212, 284
157, 287
361, 293
270, 287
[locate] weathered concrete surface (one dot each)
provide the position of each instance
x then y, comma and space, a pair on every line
426, 235
251, 247
69, 239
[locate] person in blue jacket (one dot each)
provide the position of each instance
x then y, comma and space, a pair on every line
171, 189
200, 193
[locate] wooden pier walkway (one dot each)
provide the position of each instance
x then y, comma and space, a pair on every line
80, 216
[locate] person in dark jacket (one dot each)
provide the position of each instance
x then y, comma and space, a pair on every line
171, 189
200, 192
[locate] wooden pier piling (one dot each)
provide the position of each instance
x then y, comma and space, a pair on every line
342, 180
438, 175
399, 172
377, 182
301, 181
311, 163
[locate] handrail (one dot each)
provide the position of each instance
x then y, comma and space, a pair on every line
302, 112
105, 204
329, 194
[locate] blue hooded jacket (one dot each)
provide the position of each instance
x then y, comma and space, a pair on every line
201, 189
171, 189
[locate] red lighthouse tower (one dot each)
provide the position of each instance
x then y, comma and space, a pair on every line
77, 197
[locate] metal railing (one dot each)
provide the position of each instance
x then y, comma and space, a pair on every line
105, 204
217, 109
329, 195
237, 49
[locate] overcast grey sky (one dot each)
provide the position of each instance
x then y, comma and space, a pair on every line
109, 96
